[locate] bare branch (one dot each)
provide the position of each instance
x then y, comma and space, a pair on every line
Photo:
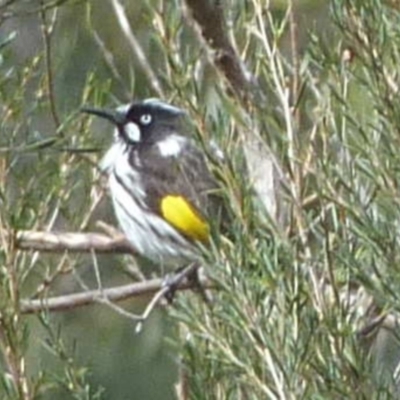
114, 294
66, 302
210, 18
95, 242
72, 241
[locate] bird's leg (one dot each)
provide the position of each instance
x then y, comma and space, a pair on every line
192, 274
195, 278
172, 281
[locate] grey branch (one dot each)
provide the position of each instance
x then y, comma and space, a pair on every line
72, 241
114, 294
264, 170
84, 242
209, 16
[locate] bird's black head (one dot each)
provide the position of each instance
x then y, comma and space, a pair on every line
142, 122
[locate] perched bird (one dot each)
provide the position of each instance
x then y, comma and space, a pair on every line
165, 197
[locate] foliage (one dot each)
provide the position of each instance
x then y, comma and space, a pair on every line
303, 304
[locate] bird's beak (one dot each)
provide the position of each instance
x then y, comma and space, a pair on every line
113, 116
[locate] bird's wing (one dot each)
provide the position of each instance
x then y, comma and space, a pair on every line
183, 191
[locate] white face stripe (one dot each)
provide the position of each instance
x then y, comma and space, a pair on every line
153, 101
132, 132
164, 106
171, 146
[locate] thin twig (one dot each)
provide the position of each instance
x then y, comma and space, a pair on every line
109, 59
293, 29
14, 365
47, 30
210, 18
136, 48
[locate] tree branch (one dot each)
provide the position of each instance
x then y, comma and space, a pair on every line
209, 16
100, 243
114, 294
72, 241
264, 170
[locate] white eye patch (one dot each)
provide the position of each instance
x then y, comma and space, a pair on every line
164, 106
132, 132
146, 119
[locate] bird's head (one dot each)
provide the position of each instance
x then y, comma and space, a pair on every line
147, 121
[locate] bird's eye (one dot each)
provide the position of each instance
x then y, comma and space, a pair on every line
145, 119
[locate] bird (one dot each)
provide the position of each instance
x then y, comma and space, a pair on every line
165, 197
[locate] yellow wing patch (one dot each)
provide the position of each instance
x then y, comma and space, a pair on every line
180, 214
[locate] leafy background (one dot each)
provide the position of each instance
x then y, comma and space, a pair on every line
307, 303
